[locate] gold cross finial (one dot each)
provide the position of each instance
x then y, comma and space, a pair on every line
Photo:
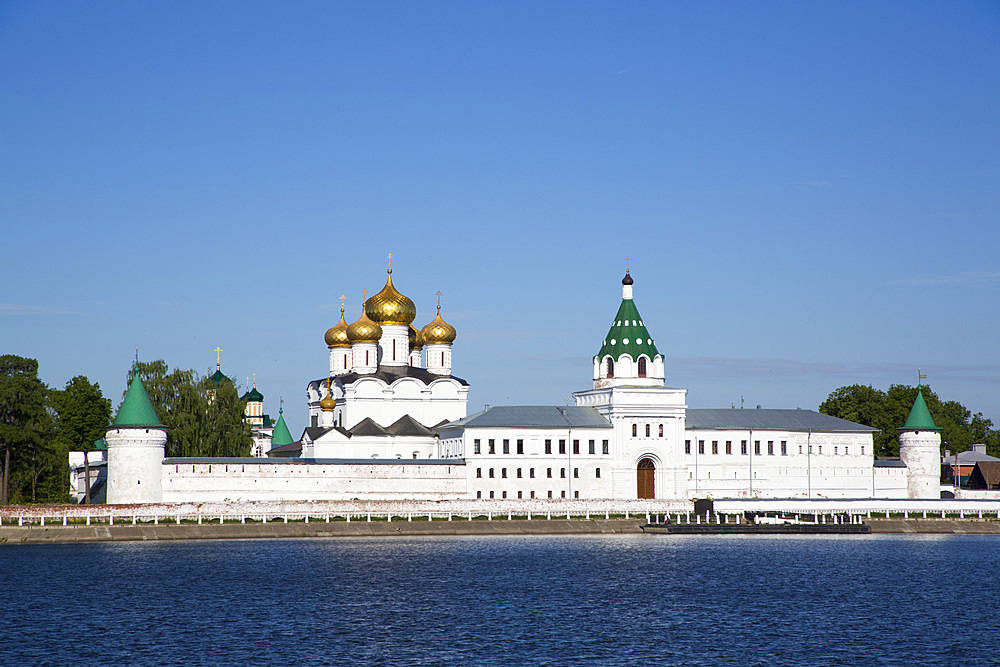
389, 257
626, 263
342, 297
218, 358
255, 380
439, 300
364, 297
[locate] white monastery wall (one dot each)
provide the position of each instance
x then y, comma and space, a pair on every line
250, 480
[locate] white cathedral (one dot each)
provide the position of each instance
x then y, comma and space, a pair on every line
389, 421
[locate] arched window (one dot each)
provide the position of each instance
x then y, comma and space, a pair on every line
642, 367
647, 430
611, 367
635, 430
661, 430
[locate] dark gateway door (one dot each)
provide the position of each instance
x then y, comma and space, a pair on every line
645, 473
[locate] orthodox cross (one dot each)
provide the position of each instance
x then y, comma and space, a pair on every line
254, 380
626, 264
364, 298
218, 357
389, 257
439, 300
342, 297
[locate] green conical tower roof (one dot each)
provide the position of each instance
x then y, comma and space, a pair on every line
280, 436
920, 416
628, 334
136, 410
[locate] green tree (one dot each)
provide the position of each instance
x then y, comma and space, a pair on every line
25, 425
83, 415
202, 419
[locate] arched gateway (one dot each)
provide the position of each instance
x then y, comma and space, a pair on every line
645, 474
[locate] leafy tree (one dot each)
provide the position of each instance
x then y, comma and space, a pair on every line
83, 415
25, 426
887, 411
202, 419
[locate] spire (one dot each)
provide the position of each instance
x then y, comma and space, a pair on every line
920, 417
217, 377
627, 283
137, 410
281, 436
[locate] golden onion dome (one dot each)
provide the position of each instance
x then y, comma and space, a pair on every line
390, 307
416, 338
328, 403
364, 330
438, 331
336, 336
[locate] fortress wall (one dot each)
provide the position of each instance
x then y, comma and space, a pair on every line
264, 481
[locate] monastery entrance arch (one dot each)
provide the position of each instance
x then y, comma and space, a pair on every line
645, 475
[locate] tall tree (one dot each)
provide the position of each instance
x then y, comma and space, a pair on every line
83, 414
24, 424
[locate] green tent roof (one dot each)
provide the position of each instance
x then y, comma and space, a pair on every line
280, 436
920, 416
628, 335
136, 410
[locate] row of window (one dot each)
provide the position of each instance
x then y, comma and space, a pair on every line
635, 431
491, 445
757, 448
531, 473
520, 494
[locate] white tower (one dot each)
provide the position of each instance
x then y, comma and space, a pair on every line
438, 337
920, 450
416, 346
394, 313
135, 450
628, 355
327, 405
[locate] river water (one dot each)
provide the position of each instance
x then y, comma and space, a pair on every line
622, 599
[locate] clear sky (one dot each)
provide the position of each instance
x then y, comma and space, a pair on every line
809, 192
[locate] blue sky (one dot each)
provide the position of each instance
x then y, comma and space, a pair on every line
809, 192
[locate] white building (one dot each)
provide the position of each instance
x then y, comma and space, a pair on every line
389, 421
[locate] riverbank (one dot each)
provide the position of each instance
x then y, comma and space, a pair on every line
140, 532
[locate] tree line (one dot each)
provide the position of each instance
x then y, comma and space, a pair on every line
888, 410
40, 425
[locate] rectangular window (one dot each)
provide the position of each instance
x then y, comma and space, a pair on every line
479, 472
562, 473
715, 446
550, 494
598, 475
519, 473
800, 449
604, 447
491, 473
576, 447
491, 495
834, 450
532, 494
846, 453
756, 447
548, 472
475, 446
784, 448
479, 494
592, 447
493, 446
506, 446
576, 472
687, 446
562, 446
531, 473
503, 495
729, 446
548, 446
701, 446
820, 449
743, 447
520, 446
770, 447
503, 473
563, 494
862, 450
518, 495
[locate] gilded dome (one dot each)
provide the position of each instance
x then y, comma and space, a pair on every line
390, 307
438, 331
416, 338
336, 336
364, 330
328, 403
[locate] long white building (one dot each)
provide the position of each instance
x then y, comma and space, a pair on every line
389, 421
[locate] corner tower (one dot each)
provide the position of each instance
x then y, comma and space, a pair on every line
920, 450
628, 355
135, 450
